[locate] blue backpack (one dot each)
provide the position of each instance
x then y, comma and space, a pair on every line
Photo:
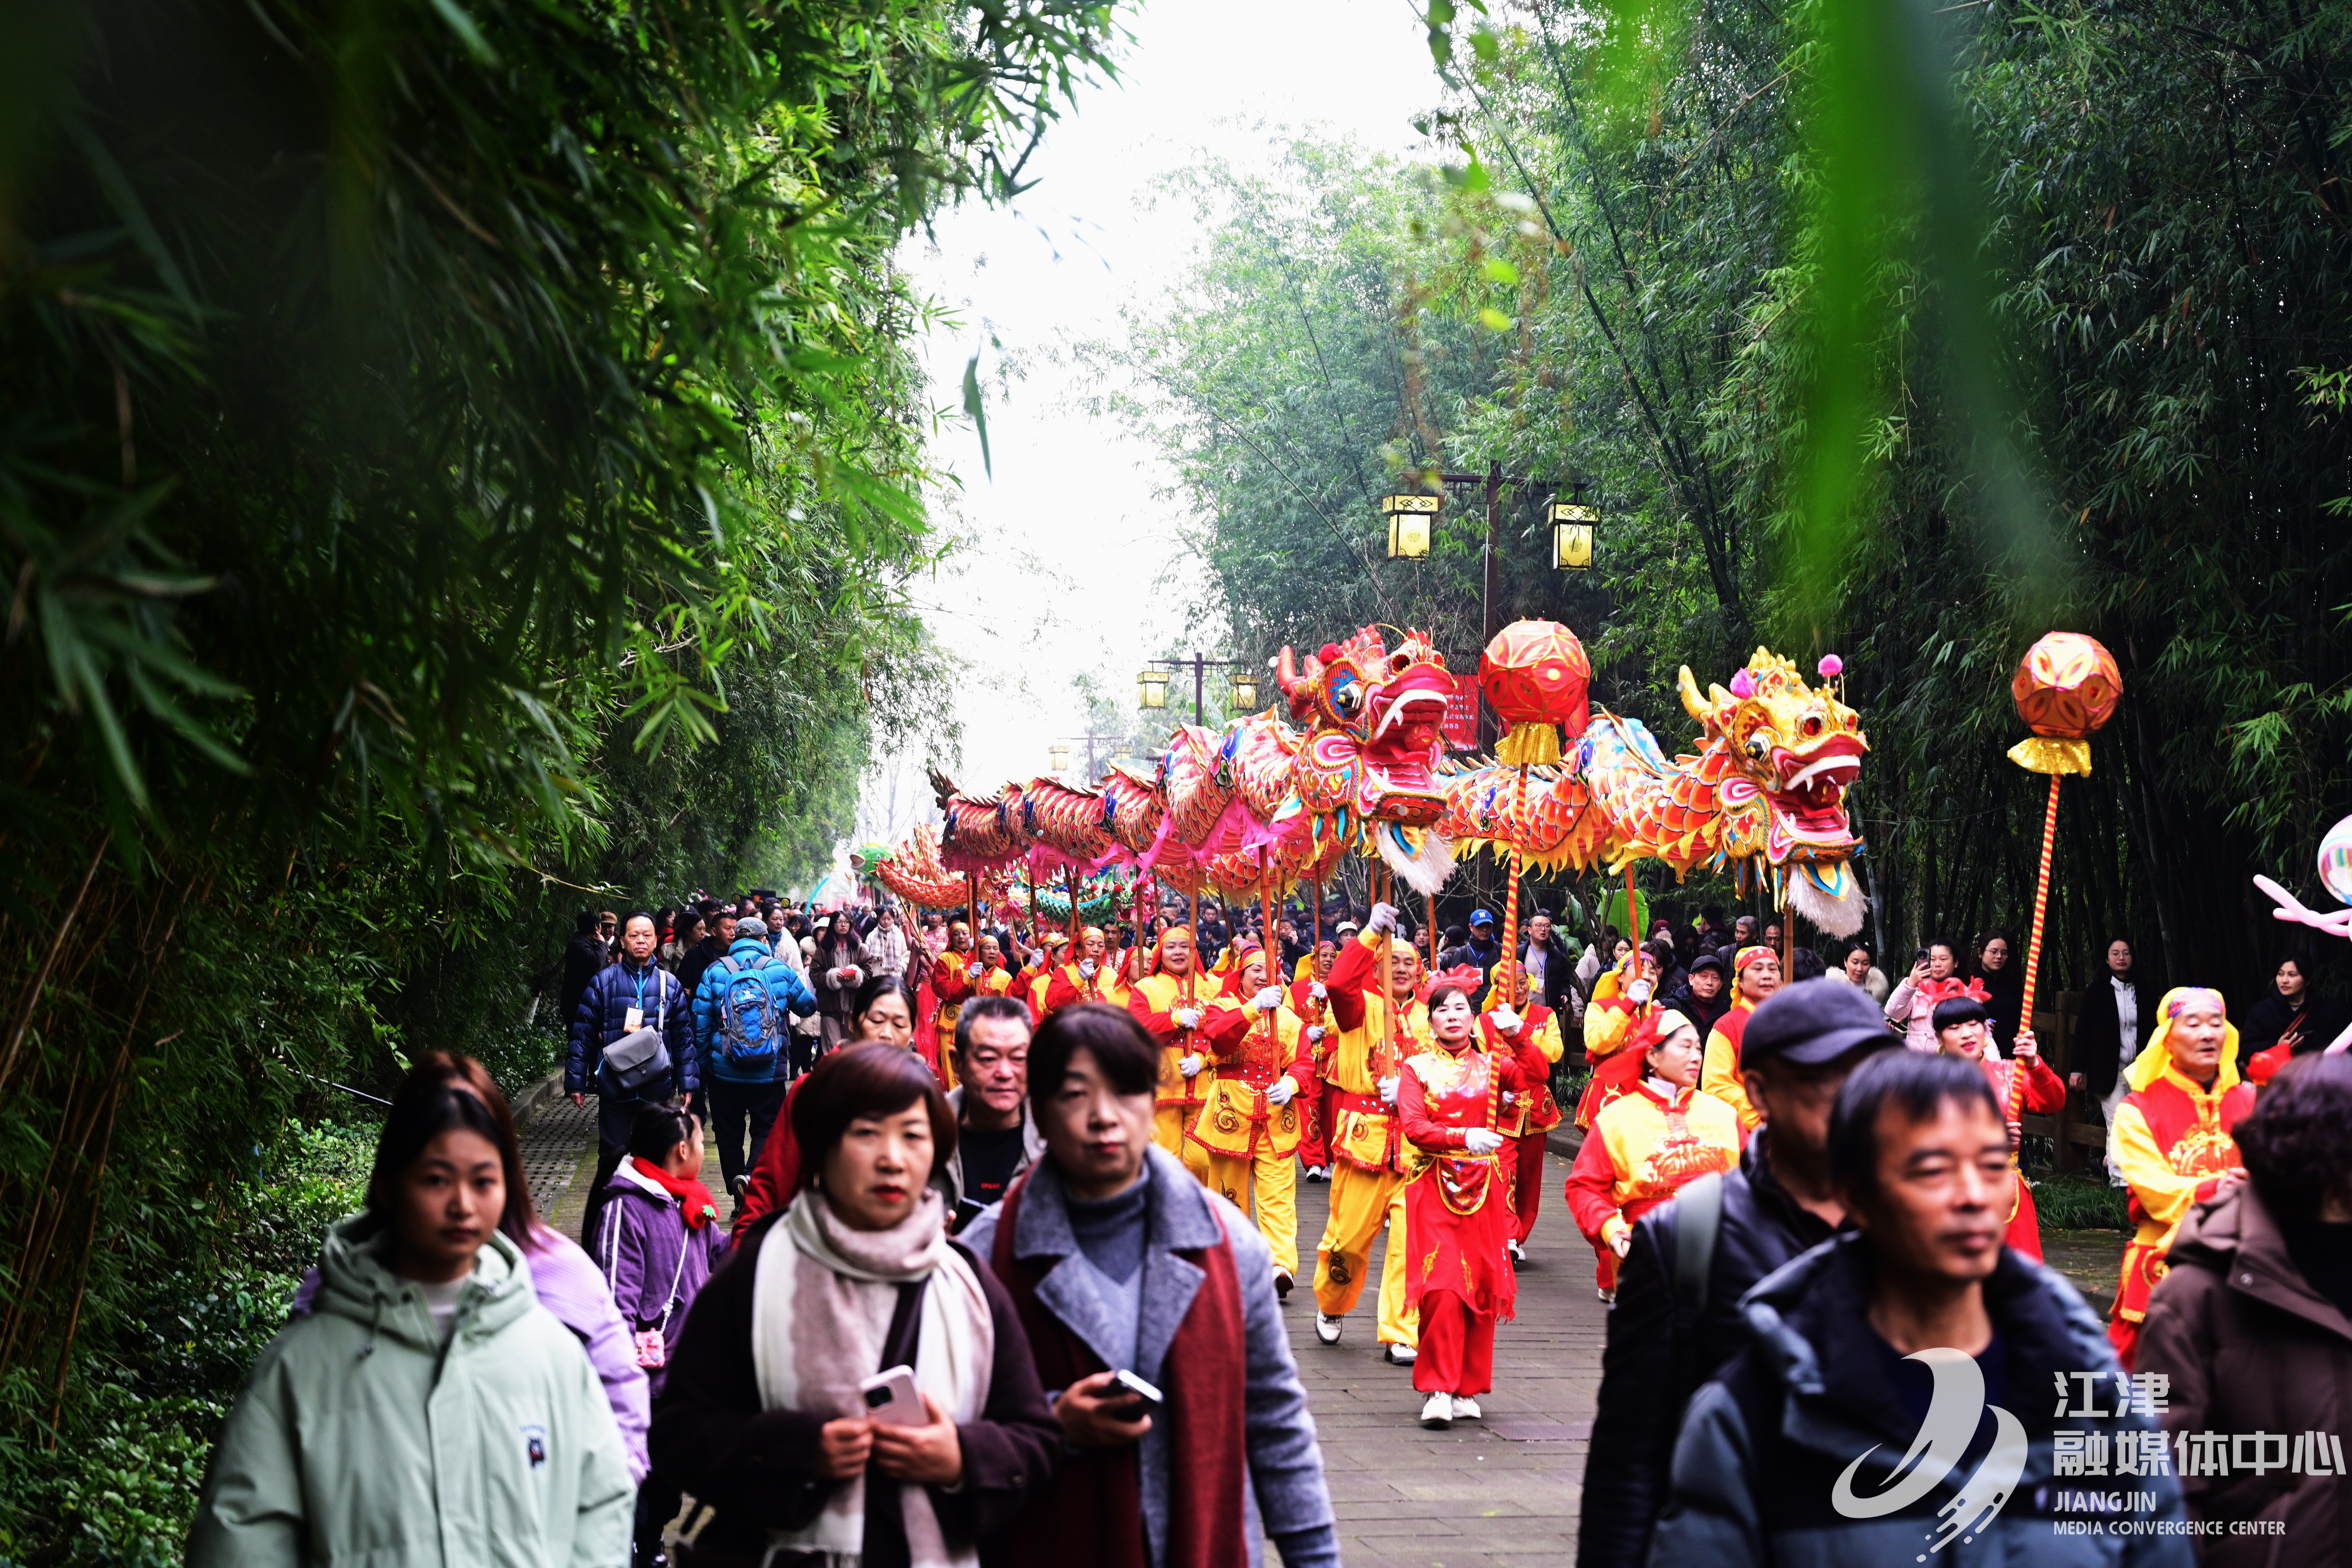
748, 1031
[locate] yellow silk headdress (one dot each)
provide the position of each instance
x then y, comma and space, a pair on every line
2149, 1066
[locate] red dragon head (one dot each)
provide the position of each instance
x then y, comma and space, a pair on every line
1795, 748
1374, 724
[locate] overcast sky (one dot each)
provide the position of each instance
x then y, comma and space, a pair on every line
1069, 491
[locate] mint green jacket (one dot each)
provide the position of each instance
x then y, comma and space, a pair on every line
361, 1439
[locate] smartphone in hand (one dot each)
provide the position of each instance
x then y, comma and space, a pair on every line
891, 1399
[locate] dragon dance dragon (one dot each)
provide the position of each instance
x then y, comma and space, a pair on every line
1359, 768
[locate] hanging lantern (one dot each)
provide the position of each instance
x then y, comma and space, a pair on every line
1057, 759
1411, 521
1244, 694
1151, 689
1573, 525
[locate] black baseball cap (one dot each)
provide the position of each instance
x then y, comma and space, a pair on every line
1813, 1022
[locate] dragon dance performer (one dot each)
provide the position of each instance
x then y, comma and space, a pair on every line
1458, 1275
1366, 1169
1964, 1029
1090, 976
1622, 1001
936, 1016
1646, 1145
1310, 998
1756, 975
963, 973
2172, 1139
1249, 1124
1177, 1005
1525, 1116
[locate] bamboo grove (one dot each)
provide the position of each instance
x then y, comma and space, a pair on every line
453, 458
1618, 271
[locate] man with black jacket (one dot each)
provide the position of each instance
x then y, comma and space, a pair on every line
1677, 1320
1703, 997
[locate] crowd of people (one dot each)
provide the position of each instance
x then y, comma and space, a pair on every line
1010, 1216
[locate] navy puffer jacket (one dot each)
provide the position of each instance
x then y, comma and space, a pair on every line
603, 1017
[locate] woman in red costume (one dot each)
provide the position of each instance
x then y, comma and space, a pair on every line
1964, 1028
1458, 1197
1526, 1118
1647, 1142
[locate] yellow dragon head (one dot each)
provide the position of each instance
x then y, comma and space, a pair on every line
1796, 747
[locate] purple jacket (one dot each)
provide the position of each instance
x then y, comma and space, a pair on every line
654, 1264
569, 1285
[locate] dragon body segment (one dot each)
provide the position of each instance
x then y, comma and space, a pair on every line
1764, 796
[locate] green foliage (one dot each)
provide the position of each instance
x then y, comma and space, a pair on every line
120, 1486
1904, 344
457, 462
2080, 1200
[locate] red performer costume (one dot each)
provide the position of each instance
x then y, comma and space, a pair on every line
1090, 976
1310, 1000
2172, 1139
1622, 1001
1186, 1015
1526, 1118
1457, 1196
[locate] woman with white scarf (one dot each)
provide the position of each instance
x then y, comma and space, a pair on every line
763, 1421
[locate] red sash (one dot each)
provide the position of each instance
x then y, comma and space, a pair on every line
1093, 1514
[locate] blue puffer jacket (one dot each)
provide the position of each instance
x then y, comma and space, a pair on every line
1768, 1445
603, 1017
786, 988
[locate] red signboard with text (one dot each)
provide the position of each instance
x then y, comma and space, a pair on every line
1462, 714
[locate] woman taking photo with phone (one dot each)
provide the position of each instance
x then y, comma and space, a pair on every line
765, 1418
423, 1341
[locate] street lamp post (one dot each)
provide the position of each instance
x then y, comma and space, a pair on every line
1200, 667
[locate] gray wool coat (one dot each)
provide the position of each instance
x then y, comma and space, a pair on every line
1286, 1490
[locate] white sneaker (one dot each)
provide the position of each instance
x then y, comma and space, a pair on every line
1327, 1328
1608, 1297
1399, 1355
1465, 1408
1518, 1254
1438, 1414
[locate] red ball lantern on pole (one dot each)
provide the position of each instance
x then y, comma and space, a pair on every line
2065, 688
1534, 676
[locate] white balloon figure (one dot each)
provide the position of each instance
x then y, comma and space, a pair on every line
2336, 876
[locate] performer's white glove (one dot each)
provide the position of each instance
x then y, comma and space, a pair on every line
1087, 968
1267, 999
1387, 1090
1314, 989
1482, 1141
1314, 1034
1187, 1017
1510, 1098
1638, 991
1382, 918
1191, 1065
1285, 1089
1507, 1019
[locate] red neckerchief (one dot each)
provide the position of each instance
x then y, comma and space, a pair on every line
694, 1199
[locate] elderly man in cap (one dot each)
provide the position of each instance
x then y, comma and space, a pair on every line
1677, 1320
1756, 975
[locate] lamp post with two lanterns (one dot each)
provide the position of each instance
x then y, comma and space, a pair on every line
1413, 516
1151, 685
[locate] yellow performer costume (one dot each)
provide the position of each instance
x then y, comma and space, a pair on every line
1157, 1001
1368, 1188
1248, 1138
